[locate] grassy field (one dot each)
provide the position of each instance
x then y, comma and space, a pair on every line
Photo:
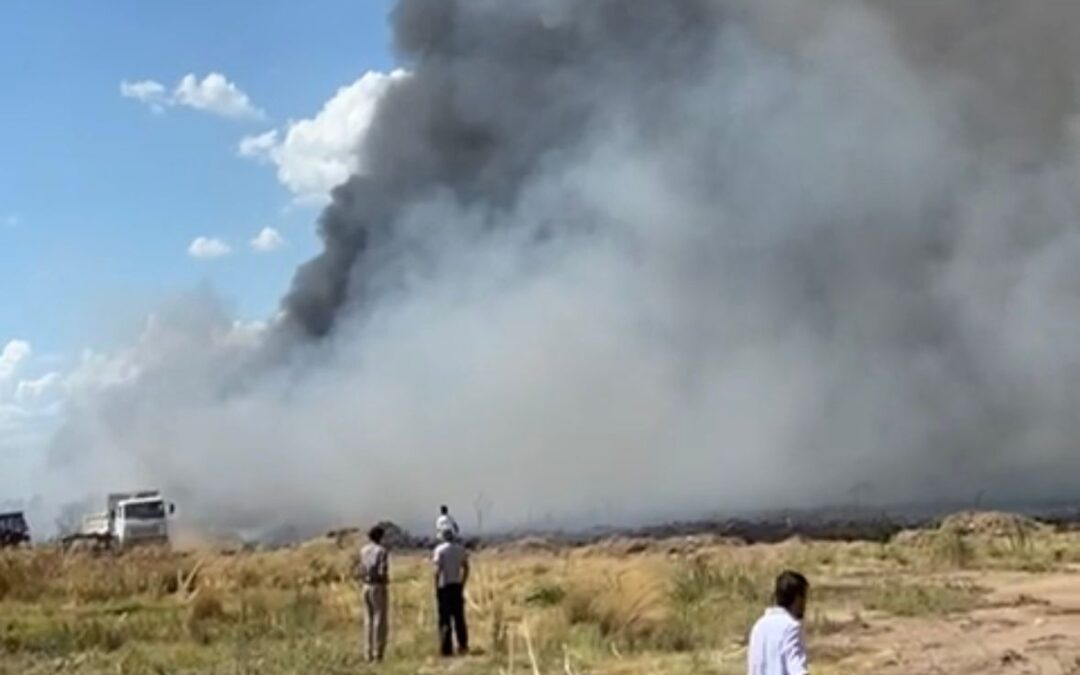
678, 606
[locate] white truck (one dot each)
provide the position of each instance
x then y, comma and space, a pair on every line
132, 518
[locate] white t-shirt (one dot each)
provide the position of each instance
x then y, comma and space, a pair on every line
451, 560
445, 522
776, 645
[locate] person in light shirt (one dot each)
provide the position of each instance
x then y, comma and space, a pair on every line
776, 641
451, 574
373, 571
445, 523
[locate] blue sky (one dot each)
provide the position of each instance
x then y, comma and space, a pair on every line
100, 197
130, 129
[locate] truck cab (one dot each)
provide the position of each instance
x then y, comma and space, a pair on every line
140, 519
13, 529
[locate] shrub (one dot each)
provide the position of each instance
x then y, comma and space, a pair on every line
545, 595
912, 600
204, 609
951, 548
622, 608
713, 602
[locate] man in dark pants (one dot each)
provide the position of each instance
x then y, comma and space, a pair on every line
451, 574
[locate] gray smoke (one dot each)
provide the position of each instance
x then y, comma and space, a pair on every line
623, 259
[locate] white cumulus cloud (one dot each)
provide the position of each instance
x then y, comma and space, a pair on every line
267, 240
259, 146
314, 155
213, 94
149, 92
206, 248
28, 406
14, 353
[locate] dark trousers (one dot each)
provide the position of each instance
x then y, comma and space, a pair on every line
451, 600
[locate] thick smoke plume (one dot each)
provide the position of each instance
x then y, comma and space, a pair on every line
623, 259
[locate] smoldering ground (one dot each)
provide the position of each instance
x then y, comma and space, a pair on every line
624, 258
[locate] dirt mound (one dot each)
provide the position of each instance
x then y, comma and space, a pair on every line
532, 544
985, 524
990, 524
823, 525
627, 546
912, 537
394, 537
695, 543
345, 537
621, 546
192, 539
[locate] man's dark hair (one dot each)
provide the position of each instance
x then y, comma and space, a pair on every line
376, 534
790, 586
444, 509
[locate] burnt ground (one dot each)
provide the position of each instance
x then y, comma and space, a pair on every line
825, 524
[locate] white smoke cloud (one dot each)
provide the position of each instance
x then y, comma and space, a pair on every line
315, 155
213, 94
48, 387
208, 248
753, 266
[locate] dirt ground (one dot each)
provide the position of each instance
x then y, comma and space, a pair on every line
1030, 624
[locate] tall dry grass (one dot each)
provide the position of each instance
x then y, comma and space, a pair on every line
297, 610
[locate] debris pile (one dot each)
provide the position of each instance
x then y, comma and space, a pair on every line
990, 524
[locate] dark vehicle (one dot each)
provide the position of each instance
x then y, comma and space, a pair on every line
13, 529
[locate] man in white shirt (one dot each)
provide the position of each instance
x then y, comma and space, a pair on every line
776, 642
451, 575
445, 523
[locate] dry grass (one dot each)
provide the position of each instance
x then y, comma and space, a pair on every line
597, 611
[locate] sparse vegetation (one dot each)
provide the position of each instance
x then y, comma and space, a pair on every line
915, 599
951, 548
591, 610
